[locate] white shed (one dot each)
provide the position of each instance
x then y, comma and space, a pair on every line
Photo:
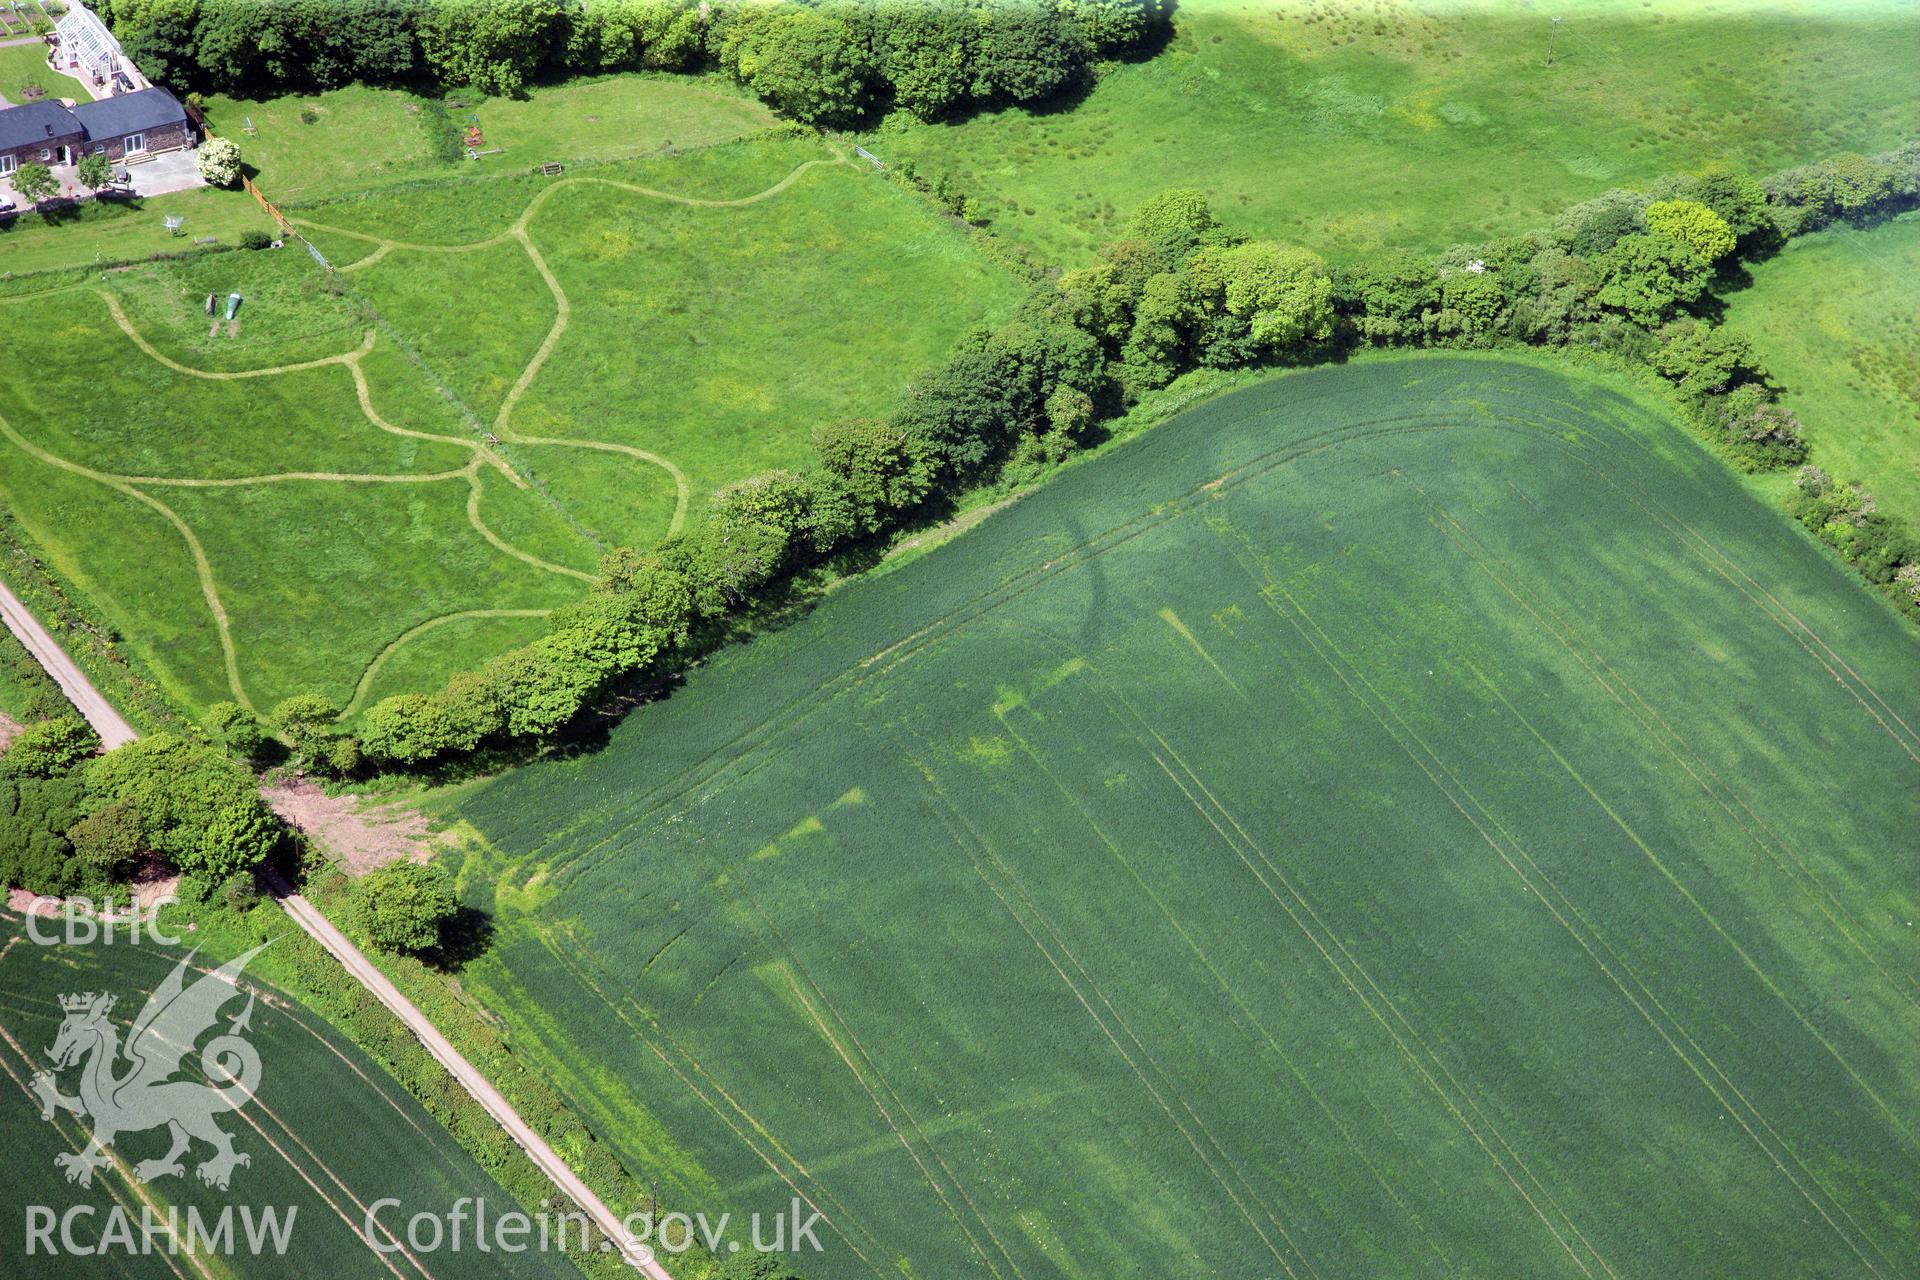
86, 44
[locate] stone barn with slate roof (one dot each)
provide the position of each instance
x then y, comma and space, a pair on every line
130, 125
46, 132
126, 127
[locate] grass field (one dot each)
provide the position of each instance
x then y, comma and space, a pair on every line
327, 1135
1360, 123
1833, 318
386, 475
308, 147
1386, 821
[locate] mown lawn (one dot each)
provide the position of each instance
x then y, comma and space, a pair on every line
269, 532
99, 232
1347, 126
1369, 825
1835, 320
21, 65
327, 1135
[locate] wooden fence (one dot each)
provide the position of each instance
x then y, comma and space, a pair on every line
275, 214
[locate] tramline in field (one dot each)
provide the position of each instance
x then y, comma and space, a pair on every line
1297, 843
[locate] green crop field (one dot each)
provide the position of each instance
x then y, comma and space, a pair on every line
327, 1135
1833, 318
389, 473
1359, 123
1385, 821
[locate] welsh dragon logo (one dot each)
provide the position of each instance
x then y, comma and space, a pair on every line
132, 1089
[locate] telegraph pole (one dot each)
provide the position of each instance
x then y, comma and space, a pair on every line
1552, 31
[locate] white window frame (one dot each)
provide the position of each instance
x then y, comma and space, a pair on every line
8, 164
46, 155
135, 144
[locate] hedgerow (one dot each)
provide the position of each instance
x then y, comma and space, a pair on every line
1621, 275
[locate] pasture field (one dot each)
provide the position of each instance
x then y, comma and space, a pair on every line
311, 146
1355, 124
1833, 318
327, 1134
390, 473
1417, 818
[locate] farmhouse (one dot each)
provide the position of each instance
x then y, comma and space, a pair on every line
126, 127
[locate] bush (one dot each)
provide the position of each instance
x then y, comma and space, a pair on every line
218, 160
256, 239
51, 747
401, 906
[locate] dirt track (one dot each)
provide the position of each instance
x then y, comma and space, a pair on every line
99, 713
115, 731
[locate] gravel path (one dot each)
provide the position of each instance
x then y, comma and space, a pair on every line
106, 722
115, 731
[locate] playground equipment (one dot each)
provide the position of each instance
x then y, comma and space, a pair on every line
477, 141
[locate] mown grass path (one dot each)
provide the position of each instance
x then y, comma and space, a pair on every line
486, 449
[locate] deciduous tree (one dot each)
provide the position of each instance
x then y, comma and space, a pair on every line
401, 906
1694, 225
35, 182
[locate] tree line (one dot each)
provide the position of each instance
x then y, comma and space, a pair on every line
1629, 274
825, 62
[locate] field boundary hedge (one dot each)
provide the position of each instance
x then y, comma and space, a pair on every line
1630, 275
